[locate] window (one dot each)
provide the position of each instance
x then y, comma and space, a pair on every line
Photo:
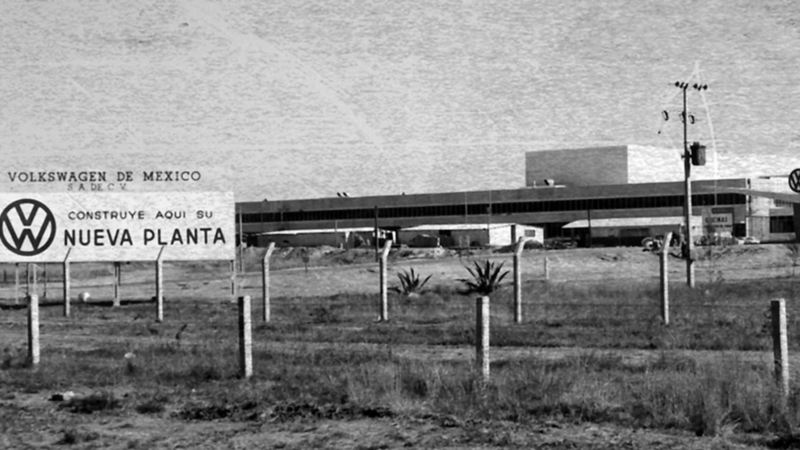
530, 206
781, 224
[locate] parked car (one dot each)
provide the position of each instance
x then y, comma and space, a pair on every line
750, 240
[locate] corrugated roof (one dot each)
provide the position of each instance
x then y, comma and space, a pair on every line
318, 231
634, 222
783, 196
458, 226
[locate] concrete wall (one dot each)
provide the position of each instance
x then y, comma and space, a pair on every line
578, 167
534, 233
344, 239
650, 164
612, 165
476, 237
500, 235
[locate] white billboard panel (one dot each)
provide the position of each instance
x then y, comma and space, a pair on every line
43, 227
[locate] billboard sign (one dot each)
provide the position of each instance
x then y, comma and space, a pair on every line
44, 227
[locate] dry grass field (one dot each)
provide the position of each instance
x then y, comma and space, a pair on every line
592, 366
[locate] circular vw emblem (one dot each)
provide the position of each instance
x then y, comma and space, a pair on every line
27, 227
794, 180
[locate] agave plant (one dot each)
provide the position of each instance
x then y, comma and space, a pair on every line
486, 278
410, 282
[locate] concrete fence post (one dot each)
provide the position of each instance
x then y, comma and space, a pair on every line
780, 346
482, 337
117, 282
245, 338
664, 272
518, 279
66, 285
265, 282
546, 269
160, 286
33, 330
387, 245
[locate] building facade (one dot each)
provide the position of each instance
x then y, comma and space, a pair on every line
625, 183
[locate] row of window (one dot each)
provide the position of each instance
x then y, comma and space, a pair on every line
781, 224
667, 201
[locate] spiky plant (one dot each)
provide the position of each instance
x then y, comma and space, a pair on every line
486, 277
410, 282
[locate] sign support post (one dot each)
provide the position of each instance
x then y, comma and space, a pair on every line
66, 286
33, 330
117, 282
16, 283
160, 286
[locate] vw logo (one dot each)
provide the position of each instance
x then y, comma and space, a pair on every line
27, 227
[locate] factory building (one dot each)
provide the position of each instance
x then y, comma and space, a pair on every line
567, 194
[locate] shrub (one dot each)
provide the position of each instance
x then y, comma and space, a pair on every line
486, 278
410, 283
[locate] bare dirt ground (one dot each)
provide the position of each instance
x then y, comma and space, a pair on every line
29, 419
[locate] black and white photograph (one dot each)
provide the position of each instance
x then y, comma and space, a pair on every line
374, 224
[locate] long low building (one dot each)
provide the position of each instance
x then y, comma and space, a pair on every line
758, 207
550, 208
469, 234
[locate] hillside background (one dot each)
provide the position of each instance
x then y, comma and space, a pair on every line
288, 99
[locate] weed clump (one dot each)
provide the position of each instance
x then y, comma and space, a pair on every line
153, 405
74, 436
98, 401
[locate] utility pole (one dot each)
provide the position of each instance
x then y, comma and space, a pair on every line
687, 174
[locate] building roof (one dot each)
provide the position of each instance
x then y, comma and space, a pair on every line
782, 196
461, 226
318, 231
633, 222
